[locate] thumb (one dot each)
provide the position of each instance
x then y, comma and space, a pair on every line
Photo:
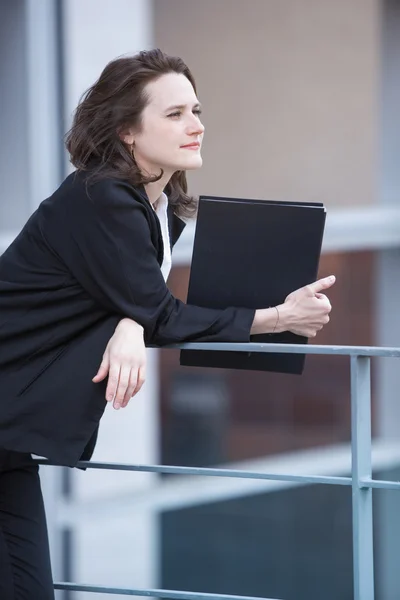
322, 284
103, 371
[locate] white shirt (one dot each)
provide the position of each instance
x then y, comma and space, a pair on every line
161, 211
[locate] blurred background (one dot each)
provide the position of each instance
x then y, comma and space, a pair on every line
301, 102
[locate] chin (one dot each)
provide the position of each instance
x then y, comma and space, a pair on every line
194, 163
190, 164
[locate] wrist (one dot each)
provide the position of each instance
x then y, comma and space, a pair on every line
126, 322
267, 320
283, 321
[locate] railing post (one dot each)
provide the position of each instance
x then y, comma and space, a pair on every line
363, 553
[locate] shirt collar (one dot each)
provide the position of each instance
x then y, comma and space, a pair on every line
161, 203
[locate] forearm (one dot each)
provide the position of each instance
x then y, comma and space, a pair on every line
266, 320
189, 323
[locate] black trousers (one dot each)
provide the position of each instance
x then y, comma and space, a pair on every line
25, 572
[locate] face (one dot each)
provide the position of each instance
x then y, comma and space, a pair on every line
171, 132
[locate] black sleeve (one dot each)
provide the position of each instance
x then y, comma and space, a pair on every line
114, 259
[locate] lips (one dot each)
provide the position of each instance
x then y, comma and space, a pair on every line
193, 146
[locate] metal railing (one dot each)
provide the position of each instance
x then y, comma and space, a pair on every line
360, 481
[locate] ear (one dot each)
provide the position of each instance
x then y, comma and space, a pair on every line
126, 135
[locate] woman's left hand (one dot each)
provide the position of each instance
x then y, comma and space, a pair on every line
124, 361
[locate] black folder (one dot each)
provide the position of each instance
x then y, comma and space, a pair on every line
253, 253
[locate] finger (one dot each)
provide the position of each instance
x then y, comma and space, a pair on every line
122, 386
321, 284
103, 370
131, 387
141, 379
112, 384
325, 301
324, 298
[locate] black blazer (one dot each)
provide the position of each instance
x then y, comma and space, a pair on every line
87, 257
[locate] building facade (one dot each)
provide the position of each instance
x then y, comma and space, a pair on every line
300, 103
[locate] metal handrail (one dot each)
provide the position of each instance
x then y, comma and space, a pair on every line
361, 480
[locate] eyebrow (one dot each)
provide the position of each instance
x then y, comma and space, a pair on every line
182, 106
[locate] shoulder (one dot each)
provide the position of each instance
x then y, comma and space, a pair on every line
103, 194
80, 206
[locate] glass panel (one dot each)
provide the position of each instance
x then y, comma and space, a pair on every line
288, 544
386, 539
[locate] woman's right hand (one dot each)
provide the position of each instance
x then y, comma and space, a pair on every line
306, 310
124, 361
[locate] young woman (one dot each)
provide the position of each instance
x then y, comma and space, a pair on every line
84, 284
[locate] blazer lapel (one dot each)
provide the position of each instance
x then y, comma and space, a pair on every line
175, 226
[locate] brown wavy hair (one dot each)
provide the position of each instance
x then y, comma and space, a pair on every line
115, 102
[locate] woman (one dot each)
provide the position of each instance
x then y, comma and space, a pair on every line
87, 273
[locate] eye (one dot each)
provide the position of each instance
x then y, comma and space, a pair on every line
197, 111
175, 114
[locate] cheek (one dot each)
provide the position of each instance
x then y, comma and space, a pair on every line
163, 138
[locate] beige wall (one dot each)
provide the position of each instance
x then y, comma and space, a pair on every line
290, 94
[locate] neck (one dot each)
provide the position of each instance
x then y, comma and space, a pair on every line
155, 189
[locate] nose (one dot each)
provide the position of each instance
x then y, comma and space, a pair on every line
195, 126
